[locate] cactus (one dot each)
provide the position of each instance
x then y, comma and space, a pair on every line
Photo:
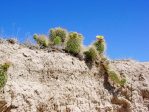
3, 74
91, 54
100, 44
74, 42
60, 32
41, 40
112, 74
57, 40
114, 77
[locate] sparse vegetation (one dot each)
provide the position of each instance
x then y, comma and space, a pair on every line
72, 43
42, 40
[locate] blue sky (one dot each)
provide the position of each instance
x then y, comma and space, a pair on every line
124, 23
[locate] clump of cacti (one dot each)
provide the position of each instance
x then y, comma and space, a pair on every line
100, 44
3, 73
74, 43
91, 54
58, 32
41, 40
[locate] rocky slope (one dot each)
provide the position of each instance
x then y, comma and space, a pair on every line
42, 81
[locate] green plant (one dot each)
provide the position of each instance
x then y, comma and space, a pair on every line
57, 40
41, 40
105, 62
3, 73
112, 74
114, 77
60, 32
74, 43
100, 44
91, 54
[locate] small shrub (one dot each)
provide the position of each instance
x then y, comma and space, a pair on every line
41, 40
91, 54
3, 73
74, 43
57, 40
60, 32
100, 44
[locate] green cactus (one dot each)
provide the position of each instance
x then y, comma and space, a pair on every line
41, 40
74, 43
112, 74
60, 32
57, 40
3, 74
100, 44
114, 77
91, 54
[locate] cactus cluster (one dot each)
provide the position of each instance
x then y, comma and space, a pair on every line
71, 42
97, 49
3, 74
74, 43
42, 40
58, 32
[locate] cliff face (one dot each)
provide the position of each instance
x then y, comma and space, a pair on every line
42, 81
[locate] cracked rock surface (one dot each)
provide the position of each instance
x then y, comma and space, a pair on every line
41, 81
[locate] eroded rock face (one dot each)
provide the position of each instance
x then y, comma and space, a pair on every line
137, 75
39, 81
